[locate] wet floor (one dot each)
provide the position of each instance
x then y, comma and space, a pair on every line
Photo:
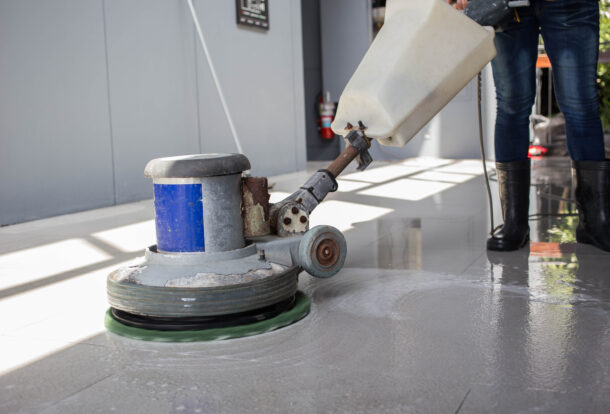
421, 319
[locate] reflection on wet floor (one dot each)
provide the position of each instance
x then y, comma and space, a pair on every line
401, 247
568, 276
421, 319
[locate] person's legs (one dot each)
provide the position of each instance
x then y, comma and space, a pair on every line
570, 30
514, 70
514, 76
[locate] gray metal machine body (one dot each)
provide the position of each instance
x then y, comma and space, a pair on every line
245, 264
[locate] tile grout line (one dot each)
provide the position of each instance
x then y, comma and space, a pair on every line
79, 391
463, 401
469, 265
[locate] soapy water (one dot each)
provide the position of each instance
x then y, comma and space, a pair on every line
359, 320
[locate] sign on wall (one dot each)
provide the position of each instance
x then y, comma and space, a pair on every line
253, 13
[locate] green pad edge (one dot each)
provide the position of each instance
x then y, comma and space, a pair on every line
298, 312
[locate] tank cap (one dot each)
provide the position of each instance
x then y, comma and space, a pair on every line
196, 165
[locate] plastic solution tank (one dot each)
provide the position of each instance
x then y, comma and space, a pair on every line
425, 53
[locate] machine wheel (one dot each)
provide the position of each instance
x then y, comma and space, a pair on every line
322, 251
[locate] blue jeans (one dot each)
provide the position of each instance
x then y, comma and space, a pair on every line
570, 30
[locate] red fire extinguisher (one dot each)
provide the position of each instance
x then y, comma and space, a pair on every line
327, 116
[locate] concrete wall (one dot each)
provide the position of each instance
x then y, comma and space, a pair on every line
317, 147
347, 33
93, 89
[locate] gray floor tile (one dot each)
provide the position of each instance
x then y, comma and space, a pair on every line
421, 319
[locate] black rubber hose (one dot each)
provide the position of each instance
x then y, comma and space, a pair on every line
480, 116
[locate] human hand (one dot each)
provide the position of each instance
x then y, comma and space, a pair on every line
459, 4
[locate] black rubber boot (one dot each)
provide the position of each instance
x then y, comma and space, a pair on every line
593, 201
514, 185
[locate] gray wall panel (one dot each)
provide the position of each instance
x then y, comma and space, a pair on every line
347, 33
261, 74
299, 147
55, 154
317, 147
153, 98
90, 90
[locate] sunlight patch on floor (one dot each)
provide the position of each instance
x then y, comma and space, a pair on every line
52, 318
407, 189
465, 167
343, 214
346, 186
443, 177
382, 174
36, 263
131, 238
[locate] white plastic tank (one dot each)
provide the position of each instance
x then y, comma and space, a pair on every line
424, 54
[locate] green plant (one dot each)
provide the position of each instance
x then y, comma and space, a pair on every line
564, 231
604, 24
603, 72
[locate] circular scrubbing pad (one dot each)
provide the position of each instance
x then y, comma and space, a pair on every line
296, 313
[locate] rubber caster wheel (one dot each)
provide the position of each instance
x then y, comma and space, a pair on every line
322, 251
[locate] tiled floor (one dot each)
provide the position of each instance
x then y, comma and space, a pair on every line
421, 319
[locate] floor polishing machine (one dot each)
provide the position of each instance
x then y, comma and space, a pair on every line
227, 261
